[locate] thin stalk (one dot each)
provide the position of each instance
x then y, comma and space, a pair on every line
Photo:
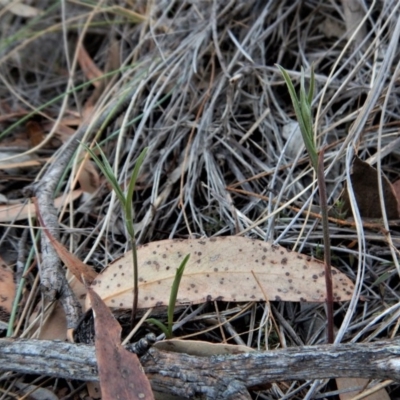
327, 246
135, 281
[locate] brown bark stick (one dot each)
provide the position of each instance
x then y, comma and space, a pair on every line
216, 377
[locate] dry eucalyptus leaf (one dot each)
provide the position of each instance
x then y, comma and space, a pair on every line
120, 373
200, 348
345, 384
7, 290
16, 212
229, 268
88, 177
364, 179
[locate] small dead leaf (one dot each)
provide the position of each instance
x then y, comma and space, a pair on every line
89, 68
35, 133
331, 28
343, 384
364, 179
12, 161
7, 291
21, 10
54, 326
200, 348
354, 13
89, 178
120, 373
220, 268
24, 164
16, 212
292, 133
396, 188
33, 392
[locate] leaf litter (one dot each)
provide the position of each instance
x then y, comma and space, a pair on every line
120, 373
207, 132
222, 268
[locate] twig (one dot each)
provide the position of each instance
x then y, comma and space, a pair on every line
187, 376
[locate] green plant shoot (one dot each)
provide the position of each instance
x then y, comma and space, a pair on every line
302, 108
126, 201
167, 330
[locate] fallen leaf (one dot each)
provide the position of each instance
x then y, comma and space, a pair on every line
24, 164
223, 268
200, 348
35, 133
343, 384
21, 10
88, 177
292, 133
54, 326
88, 66
120, 372
396, 188
7, 290
354, 13
16, 212
364, 180
34, 392
331, 28
12, 161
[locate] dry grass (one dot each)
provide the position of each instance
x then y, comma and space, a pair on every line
209, 102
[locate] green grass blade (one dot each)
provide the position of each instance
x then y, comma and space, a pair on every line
158, 324
302, 110
107, 171
131, 188
174, 293
312, 86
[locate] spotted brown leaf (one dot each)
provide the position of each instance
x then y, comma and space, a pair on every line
230, 268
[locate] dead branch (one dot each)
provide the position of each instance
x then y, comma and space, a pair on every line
216, 377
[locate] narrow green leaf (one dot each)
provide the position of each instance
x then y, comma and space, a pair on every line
174, 293
382, 278
303, 96
312, 86
158, 324
294, 98
107, 171
302, 110
130, 191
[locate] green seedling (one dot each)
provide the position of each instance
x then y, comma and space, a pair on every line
338, 209
125, 200
167, 330
303, 109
